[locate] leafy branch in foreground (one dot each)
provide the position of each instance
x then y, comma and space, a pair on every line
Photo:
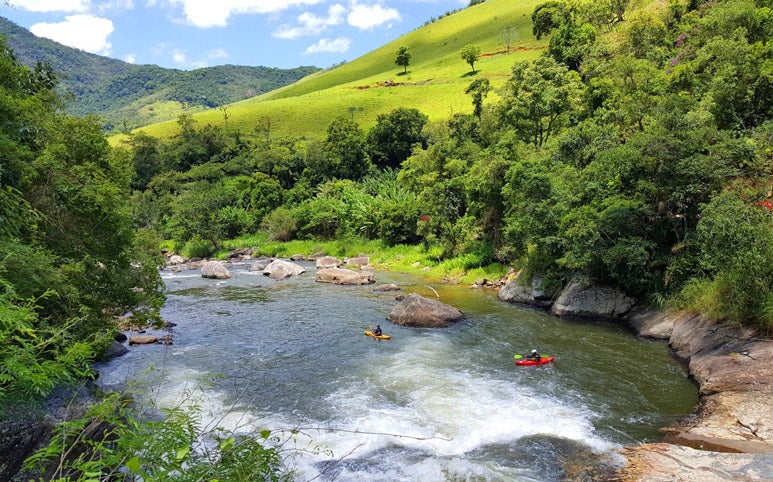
35, 358
113, 440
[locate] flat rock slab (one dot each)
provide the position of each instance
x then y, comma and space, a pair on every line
674, 463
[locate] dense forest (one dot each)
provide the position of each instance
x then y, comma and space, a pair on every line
635, 152
127, 96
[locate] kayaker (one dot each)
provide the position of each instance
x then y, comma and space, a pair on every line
534, 356
377, 331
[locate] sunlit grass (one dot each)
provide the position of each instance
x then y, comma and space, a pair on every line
412, 259
435, 83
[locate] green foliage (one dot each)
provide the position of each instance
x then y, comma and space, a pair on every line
549, 16
403, 58
733, 235
280, 225
470, 54
539, 99
478, 90
345, 145
572, 43
114, 438
35, 357
595, 160
395, 134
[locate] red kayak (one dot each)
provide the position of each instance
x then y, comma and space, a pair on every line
528, 361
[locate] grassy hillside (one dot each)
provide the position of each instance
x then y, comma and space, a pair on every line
136, 95
372, 84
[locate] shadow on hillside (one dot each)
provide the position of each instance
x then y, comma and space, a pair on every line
400, 74
470, 74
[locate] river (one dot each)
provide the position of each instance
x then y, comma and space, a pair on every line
427, 405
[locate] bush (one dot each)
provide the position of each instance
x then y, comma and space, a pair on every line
280, 225
197, 248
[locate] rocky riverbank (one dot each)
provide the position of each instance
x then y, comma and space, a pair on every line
730, 436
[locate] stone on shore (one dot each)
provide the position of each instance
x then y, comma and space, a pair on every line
731, 436
592, 301
532, 292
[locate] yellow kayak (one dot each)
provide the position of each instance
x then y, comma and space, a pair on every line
380, 337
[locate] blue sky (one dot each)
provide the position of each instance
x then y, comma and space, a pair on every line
188, 34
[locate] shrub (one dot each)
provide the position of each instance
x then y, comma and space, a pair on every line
280, 224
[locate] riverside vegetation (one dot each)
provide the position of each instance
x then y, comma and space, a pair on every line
634, 151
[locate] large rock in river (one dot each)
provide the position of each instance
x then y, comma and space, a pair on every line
280, 269
592, 301
418, 311
341, 276
214, 270
531, 292
326, 262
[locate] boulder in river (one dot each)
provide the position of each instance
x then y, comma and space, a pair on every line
418, 311
326, 262
342, 276
281, 269
214, 270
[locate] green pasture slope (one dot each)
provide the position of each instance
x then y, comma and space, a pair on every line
435, 83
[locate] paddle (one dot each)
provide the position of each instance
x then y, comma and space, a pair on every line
518, 356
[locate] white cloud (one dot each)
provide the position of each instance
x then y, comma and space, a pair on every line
217, 54
52, 5
366, 17
209, 13
130, 58
179, 57
111, 5
326, 45
85, 32
311, 24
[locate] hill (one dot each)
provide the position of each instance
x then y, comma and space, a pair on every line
435, 81
128, 95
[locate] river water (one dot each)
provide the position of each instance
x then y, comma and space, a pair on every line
427, 405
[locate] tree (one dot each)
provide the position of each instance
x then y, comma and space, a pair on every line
478, 89
471, 54
571, 44
403, 58
346, 144
547, 17
538, 99
390, 141
509, 35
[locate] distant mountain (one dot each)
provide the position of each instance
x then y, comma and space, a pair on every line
128, 96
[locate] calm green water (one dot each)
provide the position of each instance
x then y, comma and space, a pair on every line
429, 405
